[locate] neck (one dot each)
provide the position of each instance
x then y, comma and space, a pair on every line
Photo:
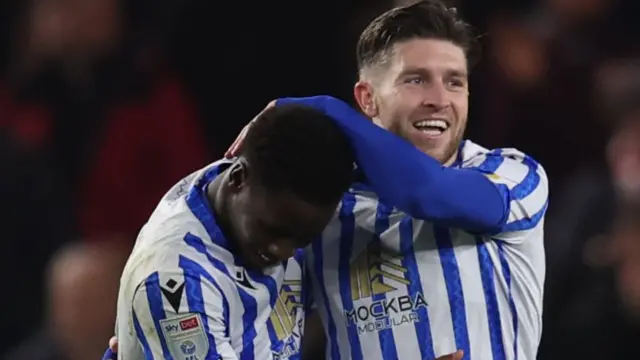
216, 197
452, 159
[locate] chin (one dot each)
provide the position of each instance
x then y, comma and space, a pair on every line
440, 154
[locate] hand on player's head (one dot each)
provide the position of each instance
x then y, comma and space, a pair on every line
295, 165
236, 146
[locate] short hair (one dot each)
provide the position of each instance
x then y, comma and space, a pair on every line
427, 19
299, 149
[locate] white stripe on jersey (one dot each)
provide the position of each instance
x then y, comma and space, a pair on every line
183, 296
388, 286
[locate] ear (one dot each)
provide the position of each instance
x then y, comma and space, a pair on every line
238, 175
363, 93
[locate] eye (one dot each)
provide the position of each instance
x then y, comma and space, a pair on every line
456, 83
416, 80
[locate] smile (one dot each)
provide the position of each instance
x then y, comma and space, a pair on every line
431, 127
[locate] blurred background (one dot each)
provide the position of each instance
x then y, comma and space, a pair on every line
104, 104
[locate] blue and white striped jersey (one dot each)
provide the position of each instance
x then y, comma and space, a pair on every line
388, 286
183, 294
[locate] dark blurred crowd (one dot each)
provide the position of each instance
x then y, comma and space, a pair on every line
104, 104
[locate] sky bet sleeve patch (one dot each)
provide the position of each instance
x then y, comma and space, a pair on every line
186, 337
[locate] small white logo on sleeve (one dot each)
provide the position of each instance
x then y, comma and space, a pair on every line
186, 337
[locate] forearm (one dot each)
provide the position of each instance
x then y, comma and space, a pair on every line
414, 182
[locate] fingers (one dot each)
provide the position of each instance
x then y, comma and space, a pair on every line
112, 351
455, 356
113, 344
236, 147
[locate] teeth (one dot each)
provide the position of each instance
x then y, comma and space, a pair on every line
264, 257
440, 124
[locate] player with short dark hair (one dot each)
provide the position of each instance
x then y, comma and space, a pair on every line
441, 247
215, 273
288, 154
422, 20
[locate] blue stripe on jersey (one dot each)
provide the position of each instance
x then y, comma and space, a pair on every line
273, 337
347, 231
195, 300
358, 186
200, 208
492, 162
332, 337
520, 191
529, 183
460, 157
249, 303
491, 299
526, 223
506, 272
423, 327
451, 274
154, 297
387, 343
148, 354
272, 286
192, 268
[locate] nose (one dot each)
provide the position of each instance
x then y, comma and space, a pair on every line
436, 97
282, 249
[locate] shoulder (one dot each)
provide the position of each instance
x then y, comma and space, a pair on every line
358, 202
510, 164
474, 155
176, 255
187, 183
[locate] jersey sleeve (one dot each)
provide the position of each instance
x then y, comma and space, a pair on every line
181, 315
524, 186
410, 180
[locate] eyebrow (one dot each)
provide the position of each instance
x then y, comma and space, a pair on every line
423, 71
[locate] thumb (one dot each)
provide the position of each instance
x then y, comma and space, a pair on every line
113, 344
236, 146
455, 356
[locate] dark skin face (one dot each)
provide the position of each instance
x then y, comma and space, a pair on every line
264, 226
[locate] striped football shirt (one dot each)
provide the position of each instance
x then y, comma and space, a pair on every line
183, 294
389, 286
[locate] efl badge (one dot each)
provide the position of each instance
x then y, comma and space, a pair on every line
186, 338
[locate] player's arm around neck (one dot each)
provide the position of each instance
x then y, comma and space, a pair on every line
414, 182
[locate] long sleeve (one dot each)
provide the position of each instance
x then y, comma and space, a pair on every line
414, 182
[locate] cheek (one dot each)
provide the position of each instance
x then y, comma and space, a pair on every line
460, 103
460, 115
396, 107
245, 232
240, 222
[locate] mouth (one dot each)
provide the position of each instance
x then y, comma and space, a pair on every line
265, 259
432, 128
